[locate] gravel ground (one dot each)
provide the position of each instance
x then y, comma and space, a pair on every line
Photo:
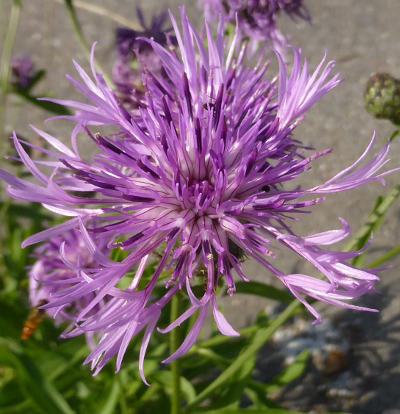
363, 37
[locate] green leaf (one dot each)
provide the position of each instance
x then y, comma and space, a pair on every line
32, 211
249, 411
33, 81
385, 258
259, 339
33, 384
112, 401
11, 320
164, 378
213, 356
374, 221
21, 407
256, 393
36, 78
263, 290
231, 395
45, 105
291, 373
58, 363
394, 135
10, 393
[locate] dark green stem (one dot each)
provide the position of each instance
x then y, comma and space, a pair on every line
5, 68
174, 341
81, 38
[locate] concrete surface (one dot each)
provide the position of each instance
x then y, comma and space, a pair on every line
363, 37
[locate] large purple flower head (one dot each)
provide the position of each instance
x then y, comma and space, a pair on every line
257, 19
183, 186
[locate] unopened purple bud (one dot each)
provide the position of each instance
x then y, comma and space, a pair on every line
22, 70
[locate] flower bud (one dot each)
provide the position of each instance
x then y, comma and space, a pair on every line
382, 97
22, 71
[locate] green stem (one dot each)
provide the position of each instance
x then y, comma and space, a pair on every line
261, 337
4, 230
149, 393
175, 365
62, 368
374, 220
218, 340
122, 399
395, 134
5, 68
390, 255
81, 38
104, 12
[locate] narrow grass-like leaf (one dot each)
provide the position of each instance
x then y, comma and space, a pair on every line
258, 397
164, 378
249, 410
291, 373
34, 385
260, 338
394, 135
36, 78
263, 290
20, 408
45, 105
385, 258
31, 211
230, 395
112, 401
372, 224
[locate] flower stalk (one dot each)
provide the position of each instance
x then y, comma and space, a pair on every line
5, 67
81, 38
372, 224
175, 365
104, 12
385, 258
261, 337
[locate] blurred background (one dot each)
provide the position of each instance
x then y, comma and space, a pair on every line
356, 363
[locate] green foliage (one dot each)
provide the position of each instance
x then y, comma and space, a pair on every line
47, 106
45, 373
292, 373
34, 385
374, 221
263, 290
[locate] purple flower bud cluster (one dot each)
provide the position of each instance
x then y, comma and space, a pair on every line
22, 70
257, 19
136, 54
201, 173
58, 262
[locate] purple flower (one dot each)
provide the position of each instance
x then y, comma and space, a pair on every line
257, 19
129, 40
59, 262
131, 44
22, 70
198, 176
